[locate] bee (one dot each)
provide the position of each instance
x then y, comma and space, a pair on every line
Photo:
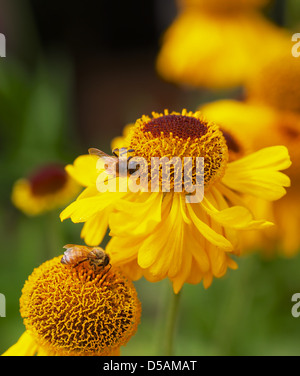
96, 257
111, 162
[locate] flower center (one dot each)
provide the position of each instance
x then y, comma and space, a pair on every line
180, 126
73, 311
48, 180
181, 135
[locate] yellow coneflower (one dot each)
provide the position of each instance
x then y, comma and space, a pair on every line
74, 311
255, 125
159, 234
48, 188
211, 46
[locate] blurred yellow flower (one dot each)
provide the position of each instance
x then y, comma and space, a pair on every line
213, 48
159, 234
277, 83
49, 188
71, 311
253, 126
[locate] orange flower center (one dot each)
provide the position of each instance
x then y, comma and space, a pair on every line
75, 311
181, 135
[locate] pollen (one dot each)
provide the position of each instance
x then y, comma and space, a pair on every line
185, 134
73, 311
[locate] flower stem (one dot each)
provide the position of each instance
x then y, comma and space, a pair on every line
171, 322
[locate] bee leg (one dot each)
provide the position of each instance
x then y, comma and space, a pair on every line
108, 269
79, 262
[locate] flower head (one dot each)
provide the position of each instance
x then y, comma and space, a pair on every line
76, 311
208, 47
48, 188
180, 135
159, 234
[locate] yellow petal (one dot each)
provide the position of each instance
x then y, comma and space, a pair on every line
236, 217
83, 209
218, 261
138, 217
84, 170
25, 346
95, 228
123, 250
258, 173
206, 231
183, 273
162, 251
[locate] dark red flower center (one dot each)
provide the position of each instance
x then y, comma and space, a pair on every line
179, 125
231, 142
48, 180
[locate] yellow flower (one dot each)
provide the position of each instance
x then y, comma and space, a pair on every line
50, 187
277, 83
253, 126
215, 49
159, 234
71, 311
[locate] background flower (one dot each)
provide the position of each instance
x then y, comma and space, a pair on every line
211, 46
47, 189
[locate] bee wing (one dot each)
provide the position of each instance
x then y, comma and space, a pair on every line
68, 246
99, 153
75, 247
108, 160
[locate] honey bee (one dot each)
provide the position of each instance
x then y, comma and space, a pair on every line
96, 257
111, 162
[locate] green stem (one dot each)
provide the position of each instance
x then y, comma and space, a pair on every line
170, 326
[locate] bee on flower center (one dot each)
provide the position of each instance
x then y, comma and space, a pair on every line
112, 162
75, 255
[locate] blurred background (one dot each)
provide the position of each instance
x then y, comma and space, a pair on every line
73, 77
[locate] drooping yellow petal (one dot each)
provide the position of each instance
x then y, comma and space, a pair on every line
237, 217
163, 253
84, 169
95, 228
258, 174
142, 215
183, 273
25, 346
218, 260
83, 209
206, 231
